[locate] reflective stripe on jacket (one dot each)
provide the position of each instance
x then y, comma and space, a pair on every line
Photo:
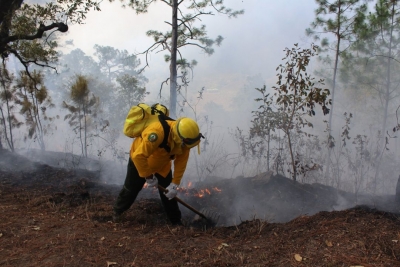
149, 158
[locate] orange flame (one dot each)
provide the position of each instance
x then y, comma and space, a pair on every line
189, 190
200, 194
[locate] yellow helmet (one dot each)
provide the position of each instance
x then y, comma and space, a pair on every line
188, 131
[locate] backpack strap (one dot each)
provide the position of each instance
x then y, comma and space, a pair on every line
163, 119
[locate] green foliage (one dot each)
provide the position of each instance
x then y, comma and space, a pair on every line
295, 97
117, 82
337, 19
128, 92
265, 119
74, 63
296, 94
114, 62
112, 75
33, 98
295, 91
26, 32
371, 67
80, 91
23, 28
83, 112
8, 120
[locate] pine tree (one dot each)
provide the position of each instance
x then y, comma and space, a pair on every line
85, 106
34, 100
8, 119
183, 33
337, 19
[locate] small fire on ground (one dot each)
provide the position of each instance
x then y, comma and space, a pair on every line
190, 191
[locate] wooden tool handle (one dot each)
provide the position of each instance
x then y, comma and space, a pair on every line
184, 203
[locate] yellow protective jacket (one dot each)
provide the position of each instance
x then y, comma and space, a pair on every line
149, 158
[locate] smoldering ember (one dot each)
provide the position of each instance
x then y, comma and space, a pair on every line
52, 216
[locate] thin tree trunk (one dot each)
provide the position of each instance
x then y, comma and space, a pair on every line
173, 71
36, 118
80, 132
388, 77
11, 143
328, 161
268, 144
387, 98
85, 130
337, 52
5, 128
288, 132
291, 155
9, 140
39, 126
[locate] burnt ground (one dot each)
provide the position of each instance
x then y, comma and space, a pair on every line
58, 217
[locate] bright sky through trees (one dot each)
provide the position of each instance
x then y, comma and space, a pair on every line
253, 43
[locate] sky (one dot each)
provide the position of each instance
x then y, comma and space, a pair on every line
253, 42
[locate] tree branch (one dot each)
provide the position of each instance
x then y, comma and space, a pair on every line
166, 2
62, 27
146, 52
7, 7
202, 47
195, 16
26, 63
166, 82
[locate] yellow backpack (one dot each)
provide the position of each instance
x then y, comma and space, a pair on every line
142, 115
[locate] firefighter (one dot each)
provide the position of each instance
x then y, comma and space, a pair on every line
149, 163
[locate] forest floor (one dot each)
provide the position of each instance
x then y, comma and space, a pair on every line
57, 217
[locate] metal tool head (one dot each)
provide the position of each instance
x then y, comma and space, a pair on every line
210, 219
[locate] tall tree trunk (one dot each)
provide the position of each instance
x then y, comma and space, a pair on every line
5, 118
388, 69
334, 84
4, 121
36, 118
9, 118
80, 132
172, 67
337, 52
386, 98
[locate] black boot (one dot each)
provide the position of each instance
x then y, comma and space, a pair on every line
116, 217
177, 223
